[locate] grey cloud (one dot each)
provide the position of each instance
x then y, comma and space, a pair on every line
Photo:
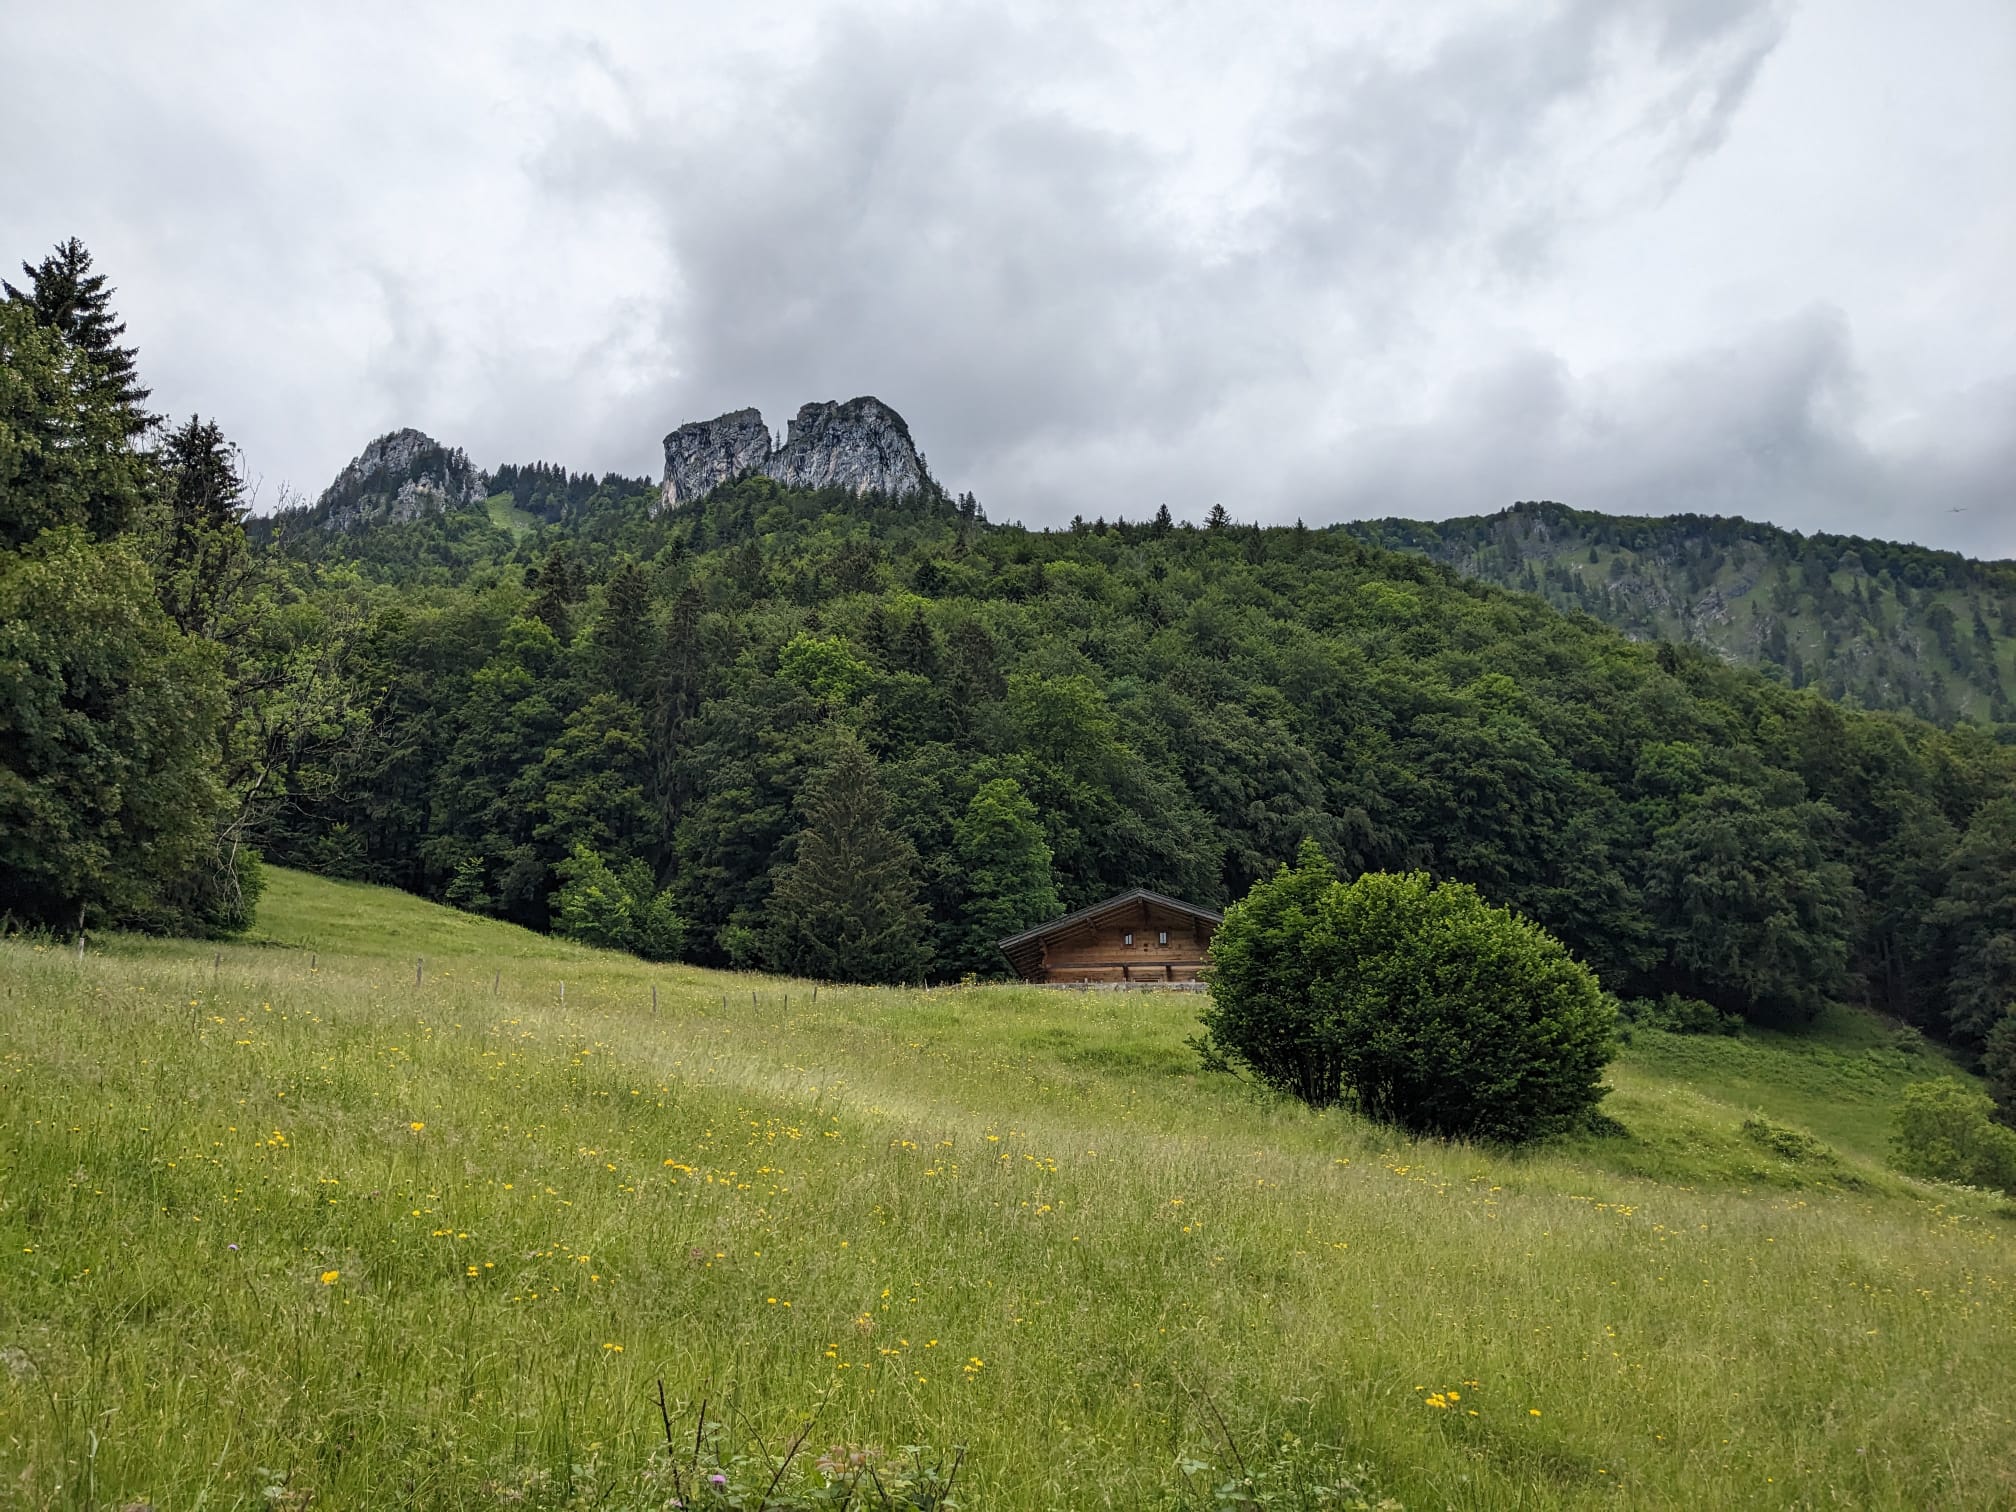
1769, 428
1314, 265
1382, 153
893, 216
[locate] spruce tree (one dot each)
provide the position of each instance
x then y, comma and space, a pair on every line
205, 538
622, 635
76, 303
64, 457
676, 688
846, 909
916, 648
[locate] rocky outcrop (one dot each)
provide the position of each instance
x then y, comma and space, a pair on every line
397, 478
862, 446
702, 456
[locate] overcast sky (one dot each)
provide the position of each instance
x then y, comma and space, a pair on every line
1321, 261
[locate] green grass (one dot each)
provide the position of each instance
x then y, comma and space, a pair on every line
506, 515
1006, 1218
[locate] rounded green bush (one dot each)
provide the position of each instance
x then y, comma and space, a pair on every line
1946, 1132
1418, 1001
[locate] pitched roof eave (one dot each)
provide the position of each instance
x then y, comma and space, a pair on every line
1132, 895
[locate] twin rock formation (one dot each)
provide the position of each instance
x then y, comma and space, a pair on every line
862, 446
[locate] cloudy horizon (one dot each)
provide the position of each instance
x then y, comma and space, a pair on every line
1638, 257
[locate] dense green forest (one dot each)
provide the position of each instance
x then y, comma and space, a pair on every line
850, 737
1873, 623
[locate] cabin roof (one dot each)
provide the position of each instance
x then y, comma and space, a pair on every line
1017, 946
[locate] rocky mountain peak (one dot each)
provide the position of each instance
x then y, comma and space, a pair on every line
862, 446
398, 477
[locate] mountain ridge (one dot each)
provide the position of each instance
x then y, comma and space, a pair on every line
1882, 624
1875, 623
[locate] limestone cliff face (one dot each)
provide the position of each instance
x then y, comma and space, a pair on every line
862, 446
398, 477
702, 456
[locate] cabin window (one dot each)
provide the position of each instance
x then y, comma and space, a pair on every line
1128, 939
1162, 937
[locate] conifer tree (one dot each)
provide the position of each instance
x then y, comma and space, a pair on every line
205, 537
622, 633
676, 689
76, 303
846, 909
916, 647
64, 457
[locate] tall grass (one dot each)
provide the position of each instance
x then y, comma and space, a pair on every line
281, 1235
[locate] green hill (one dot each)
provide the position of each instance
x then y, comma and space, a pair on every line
642, 704
1876, 623
291, 1229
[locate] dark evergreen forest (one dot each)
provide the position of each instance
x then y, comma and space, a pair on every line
742, 730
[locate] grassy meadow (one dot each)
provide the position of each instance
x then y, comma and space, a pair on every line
279, 1227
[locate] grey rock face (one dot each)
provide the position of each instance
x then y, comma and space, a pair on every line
397, 478
700, 457
862, 446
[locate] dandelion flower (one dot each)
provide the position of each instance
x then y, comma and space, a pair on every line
330, 1278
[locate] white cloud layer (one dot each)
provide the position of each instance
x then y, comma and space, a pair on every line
1636, 255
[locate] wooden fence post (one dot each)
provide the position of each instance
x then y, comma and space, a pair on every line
418, 963
654, 1000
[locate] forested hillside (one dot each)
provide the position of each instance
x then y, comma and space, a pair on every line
1875, 623
659, 729
834, 734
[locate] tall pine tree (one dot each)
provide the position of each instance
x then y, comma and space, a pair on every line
205, 538
76, 303
846, 909
64, 456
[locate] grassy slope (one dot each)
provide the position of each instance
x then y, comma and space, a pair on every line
1002, 1217
506, 515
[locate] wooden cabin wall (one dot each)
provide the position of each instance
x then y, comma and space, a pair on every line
1097, 952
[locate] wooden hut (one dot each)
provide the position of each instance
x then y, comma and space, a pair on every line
1137, 938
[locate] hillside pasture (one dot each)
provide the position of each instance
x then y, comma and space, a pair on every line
279, 1226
